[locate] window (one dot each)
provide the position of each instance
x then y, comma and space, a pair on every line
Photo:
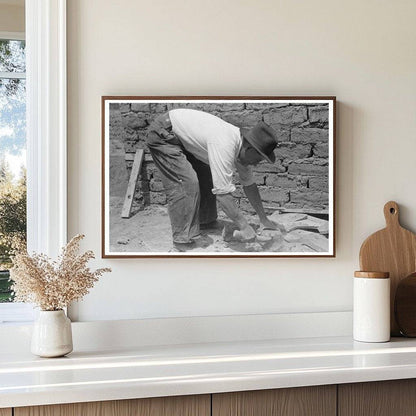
45, 27
12, 153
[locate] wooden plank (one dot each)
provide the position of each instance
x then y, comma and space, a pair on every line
131, 187
5, 412
129, 157
160, 406
307, 401
381, 398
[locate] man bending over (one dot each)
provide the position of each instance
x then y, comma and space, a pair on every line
197, 154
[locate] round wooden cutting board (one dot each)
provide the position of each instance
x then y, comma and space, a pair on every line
393, 250
405, 306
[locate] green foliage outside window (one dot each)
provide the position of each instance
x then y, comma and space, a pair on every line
12, 223
12, 145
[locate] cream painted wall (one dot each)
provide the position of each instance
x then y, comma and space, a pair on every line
12, 18
361, 51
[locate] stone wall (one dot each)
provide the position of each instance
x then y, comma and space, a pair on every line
298, 179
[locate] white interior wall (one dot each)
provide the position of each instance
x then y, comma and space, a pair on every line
361, 52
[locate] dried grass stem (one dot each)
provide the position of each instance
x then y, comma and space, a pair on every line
53, 285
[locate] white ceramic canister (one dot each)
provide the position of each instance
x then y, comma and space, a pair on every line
52, 334
371, 305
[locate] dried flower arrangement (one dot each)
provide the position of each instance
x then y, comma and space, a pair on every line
53, 285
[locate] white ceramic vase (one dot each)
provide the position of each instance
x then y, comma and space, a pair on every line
52, 334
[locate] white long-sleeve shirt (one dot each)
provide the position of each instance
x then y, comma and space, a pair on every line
214, 142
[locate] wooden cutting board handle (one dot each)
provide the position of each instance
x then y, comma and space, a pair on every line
391, 214
393, 250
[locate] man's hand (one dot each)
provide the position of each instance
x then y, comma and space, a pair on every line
228, 205
253, 196
245, 234
268, 224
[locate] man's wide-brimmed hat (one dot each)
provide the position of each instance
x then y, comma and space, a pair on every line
263, 138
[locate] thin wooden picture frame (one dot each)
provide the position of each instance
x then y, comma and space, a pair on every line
299, 121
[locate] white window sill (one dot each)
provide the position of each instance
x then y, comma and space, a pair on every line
16, 313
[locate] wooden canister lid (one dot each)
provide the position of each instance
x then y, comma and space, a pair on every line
372, 275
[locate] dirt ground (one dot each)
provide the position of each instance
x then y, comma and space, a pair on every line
148, 230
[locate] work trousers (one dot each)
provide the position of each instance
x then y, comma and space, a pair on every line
187, 181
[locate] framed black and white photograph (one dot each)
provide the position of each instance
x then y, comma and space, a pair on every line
218, 176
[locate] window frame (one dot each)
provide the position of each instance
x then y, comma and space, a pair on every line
12, 36
46, 137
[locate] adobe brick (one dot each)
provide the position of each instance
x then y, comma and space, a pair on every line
319, 114
292, 151
286, 115
321, 150
309, 198
134, 120
309, 135
271, 194
140, 107
318, 183
156, 186
306, 167
124, 108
